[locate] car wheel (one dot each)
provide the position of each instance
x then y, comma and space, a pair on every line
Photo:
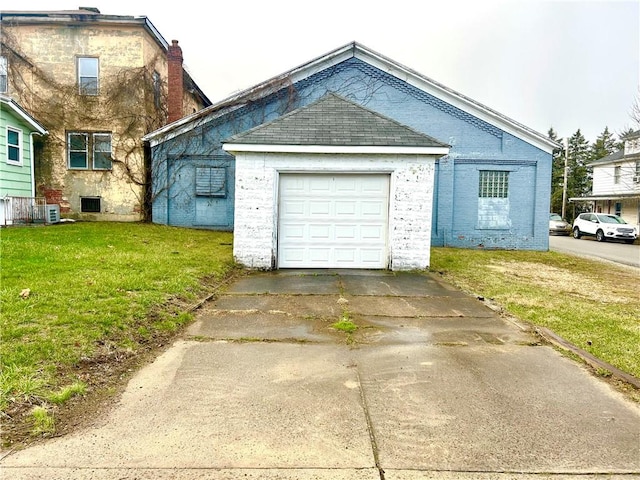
600, 236
576, 233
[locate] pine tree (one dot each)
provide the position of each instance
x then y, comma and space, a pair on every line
604, 145
579, 178
621, 135
557, 173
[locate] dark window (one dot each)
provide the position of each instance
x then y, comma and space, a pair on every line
13, 146
157, 90
90, 204
211, 181
89, 151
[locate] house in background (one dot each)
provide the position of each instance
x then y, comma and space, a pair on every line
616, 182
17, 183
98, 83
353, 161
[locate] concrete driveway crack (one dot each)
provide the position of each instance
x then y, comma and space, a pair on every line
372, 435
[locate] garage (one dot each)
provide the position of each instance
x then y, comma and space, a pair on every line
333, 221
333, 185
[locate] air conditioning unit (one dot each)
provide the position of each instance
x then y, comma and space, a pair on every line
52, 213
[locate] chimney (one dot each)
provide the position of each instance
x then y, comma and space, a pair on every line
175, 82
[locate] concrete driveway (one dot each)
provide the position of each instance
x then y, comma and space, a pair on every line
433, 384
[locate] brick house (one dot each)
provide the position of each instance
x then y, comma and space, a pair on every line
97, 83
353, 161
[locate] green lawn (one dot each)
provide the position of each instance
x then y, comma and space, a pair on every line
95, 291
594, 305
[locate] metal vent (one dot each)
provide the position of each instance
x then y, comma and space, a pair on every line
90, 204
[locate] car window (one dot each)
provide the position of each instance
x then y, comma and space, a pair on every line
555, 217
609, 219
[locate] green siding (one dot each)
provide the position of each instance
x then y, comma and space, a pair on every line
15, 180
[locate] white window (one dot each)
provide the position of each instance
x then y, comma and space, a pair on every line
88, 75
89, 151
14, 146
616, 173
3, 75
493, 184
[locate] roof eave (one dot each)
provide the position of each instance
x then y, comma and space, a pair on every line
401, 72
23, 114
334, 149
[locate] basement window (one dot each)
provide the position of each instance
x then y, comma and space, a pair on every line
211, 181
90, 204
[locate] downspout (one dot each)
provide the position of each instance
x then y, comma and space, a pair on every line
32, 164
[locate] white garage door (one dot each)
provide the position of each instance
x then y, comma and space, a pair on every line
333, 221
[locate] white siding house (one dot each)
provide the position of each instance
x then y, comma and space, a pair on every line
616, 182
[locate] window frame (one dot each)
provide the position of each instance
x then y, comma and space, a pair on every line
82, 89
617, 174
17, 147
4, 74
90, 151
496, 186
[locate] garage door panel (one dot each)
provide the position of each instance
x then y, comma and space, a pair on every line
292, 232
334, 221
370, 232
294, 208
319, 232
375, 209
346, 232
345, 208
317, 208
371, 256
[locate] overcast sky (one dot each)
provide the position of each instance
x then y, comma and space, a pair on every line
545, 63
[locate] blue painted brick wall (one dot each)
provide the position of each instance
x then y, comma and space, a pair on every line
476, 145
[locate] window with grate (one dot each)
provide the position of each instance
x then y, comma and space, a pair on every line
211, 181
494, 184
90, 204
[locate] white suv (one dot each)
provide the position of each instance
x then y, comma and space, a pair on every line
603, 226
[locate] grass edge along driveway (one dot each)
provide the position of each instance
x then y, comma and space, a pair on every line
591, 304
79, 301
79, 298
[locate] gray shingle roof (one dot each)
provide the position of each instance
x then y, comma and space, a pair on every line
335, 121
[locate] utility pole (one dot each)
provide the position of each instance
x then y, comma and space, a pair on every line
565, 141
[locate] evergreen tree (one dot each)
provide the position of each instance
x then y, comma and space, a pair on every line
621, 135
579, 178
604, 145
557, 174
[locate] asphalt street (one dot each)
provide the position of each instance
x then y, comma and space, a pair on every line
613, 251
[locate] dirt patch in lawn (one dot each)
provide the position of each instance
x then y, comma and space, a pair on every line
566, 282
